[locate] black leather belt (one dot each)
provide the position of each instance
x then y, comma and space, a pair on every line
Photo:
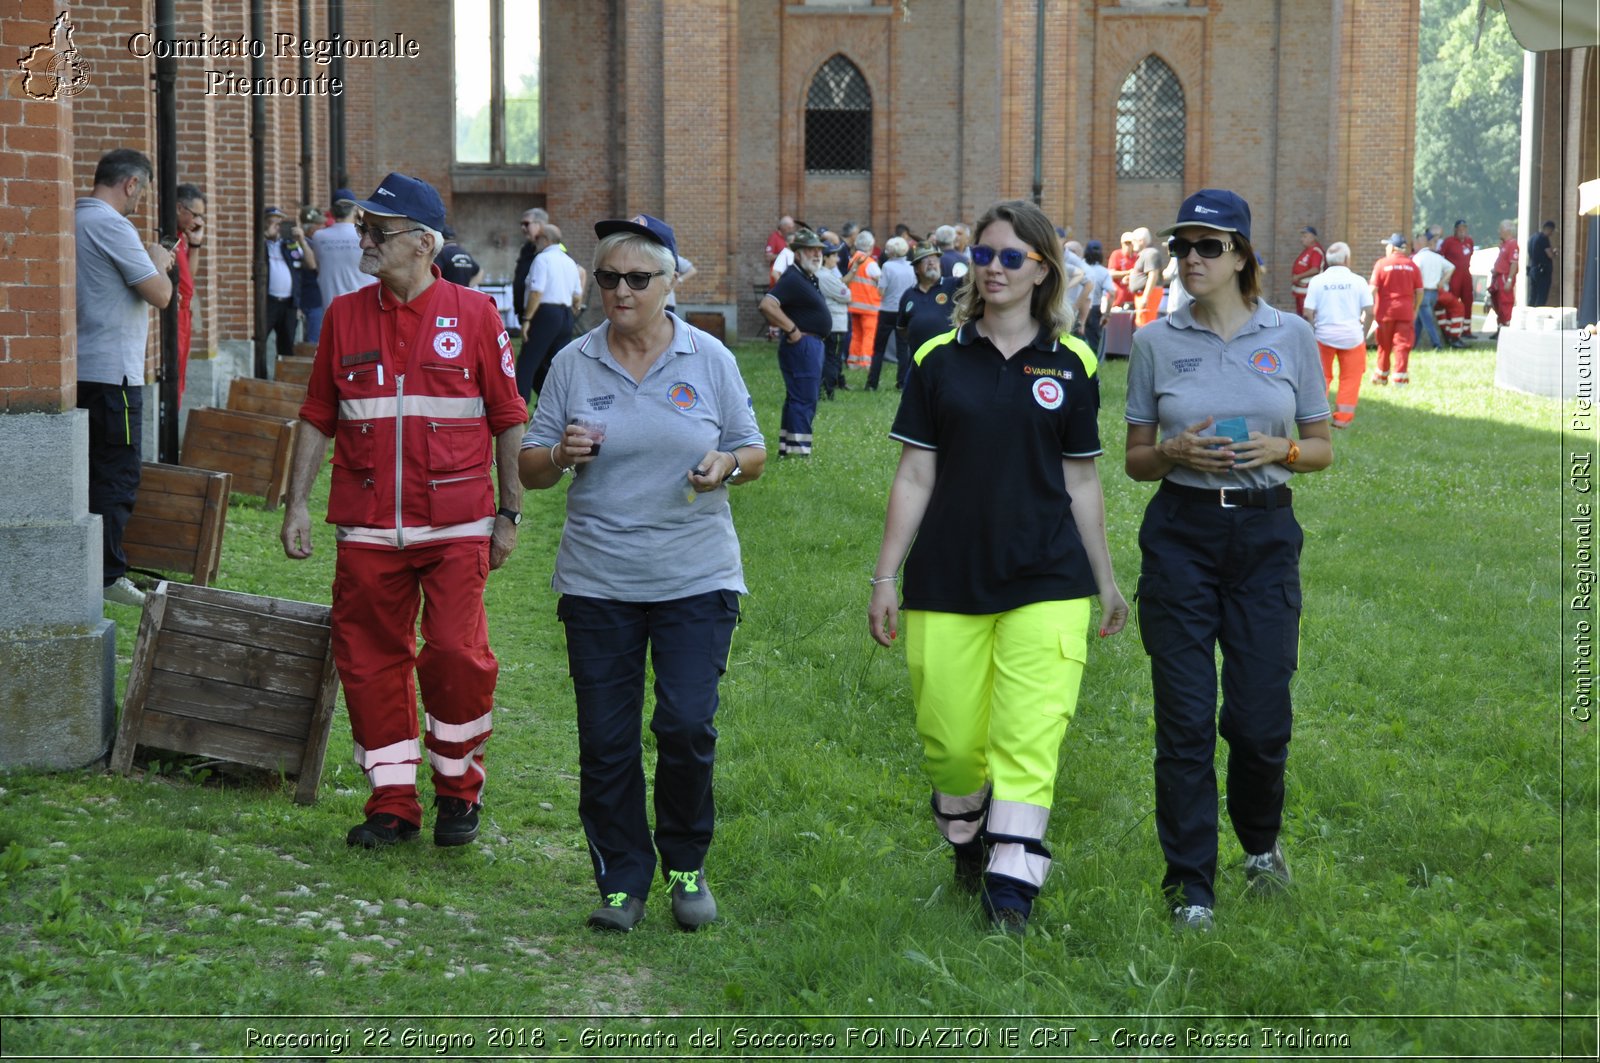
1280, 497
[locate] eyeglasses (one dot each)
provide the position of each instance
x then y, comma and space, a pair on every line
378, 235
638, 280
1010, 257
1210, 247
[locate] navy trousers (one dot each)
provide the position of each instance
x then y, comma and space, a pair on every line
116, 433
688, 639
548, 332
887, 334
801, 365
1213, 576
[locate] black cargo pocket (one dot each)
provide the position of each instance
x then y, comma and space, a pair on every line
1149, 612
1291, 630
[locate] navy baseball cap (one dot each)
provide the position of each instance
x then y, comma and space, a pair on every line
344, 195
400, 196
641, 225
273, 212
1094, 245
1310, 229
1214, 208
1397, 240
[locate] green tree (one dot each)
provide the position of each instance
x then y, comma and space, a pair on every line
1469, 114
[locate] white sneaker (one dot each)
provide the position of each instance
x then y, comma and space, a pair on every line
1195, 917
1266, 872
124, 592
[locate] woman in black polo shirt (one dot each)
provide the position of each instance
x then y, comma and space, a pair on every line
997, 485
1215, 390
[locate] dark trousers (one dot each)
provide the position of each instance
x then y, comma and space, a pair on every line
116, 430
548, 332
833, 348
688, 639
886, 335
801, 366
282, 319
1231, 576
1539, 287
1091, 330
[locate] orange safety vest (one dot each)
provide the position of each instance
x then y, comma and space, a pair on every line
864, 293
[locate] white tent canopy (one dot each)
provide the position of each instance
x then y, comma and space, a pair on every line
1551, 25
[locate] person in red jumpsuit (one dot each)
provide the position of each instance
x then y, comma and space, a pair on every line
191, 237
1458, 250
415, 382
1503, 280
1397, 293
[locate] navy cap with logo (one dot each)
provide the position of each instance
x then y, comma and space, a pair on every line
1214, 208
344, 195
274, 212
1094, 245
640, 225
400, 196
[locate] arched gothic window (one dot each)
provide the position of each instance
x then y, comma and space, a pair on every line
838, 120
1150, 130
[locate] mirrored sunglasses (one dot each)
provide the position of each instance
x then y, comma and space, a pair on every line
638, 280
1010, 257
1210, 247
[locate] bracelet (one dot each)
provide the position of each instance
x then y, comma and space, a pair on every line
875, 580
561, 469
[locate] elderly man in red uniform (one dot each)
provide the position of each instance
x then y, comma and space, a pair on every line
1503, 279
1309, 263
1396, 295
1458, 250
415, 381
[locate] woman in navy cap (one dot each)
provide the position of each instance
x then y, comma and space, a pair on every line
1216, 391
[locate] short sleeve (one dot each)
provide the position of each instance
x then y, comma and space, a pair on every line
1312, 294
549, 417
738, 412
1142, 383
1311, 389
539, 275
914, 422
1081, 438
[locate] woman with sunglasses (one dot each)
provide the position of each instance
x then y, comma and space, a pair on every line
997, 487
1215, 392
652, 418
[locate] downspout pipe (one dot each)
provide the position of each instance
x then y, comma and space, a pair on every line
1038, 104
258, 189
306, 140
167, 218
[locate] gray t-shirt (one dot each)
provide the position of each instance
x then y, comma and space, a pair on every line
338, 249
1270, 374
113, 319
636, 530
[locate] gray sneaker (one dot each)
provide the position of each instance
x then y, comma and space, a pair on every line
1195, 917
692, 904
123, 592
619, 912
1266, 873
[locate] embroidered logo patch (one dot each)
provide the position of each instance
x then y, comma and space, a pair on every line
1047, 392
503, 339
444, 322
508, 364
941, 298
682, 395
1266, 361
447, 344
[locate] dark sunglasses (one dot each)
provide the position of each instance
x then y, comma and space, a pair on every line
1010, 258
378, 235
638, 280
1210, 247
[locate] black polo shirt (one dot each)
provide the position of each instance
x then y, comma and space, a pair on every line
926, 314
998, 532
801, 299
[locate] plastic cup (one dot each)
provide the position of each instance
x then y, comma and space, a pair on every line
592, 427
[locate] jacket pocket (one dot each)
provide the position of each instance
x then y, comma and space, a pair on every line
353, 493
459, 499
455, 447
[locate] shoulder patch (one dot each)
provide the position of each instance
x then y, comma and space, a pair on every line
937, 341
1081, 349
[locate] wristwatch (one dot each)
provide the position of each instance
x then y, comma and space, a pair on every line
734, 475
509, 514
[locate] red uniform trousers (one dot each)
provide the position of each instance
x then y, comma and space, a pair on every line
1352, 367
1503, 300
1395, 338
375, 602
1451, 315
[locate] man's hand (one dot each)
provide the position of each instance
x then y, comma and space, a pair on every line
501, 542
160, 257
296, 533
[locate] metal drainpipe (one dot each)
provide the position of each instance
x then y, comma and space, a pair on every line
167, 214
305, 112
337, 177
258, 182
1038, 104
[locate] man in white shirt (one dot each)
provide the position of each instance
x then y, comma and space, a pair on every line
338, 250
555, 287
1436, 271
1339, 308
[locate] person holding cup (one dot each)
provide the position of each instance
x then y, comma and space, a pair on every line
648, 559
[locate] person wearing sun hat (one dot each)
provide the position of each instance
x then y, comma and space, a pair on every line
1216, 391
797, 308
653, 420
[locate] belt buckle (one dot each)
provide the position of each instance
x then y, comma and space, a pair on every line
1222, 498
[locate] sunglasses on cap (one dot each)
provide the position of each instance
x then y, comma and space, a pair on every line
1210, 247
378, 236
1010, 257
638, 280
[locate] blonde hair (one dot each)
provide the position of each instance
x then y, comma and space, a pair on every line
1049, 304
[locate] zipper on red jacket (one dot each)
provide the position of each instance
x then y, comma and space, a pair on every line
399, 449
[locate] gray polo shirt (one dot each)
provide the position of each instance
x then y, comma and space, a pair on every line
338, 248
636, 531
1270, 374
113, 319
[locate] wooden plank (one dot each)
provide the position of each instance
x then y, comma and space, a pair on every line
295, 371
307, 351
155, 504
208, 552
170, 535
225, 624
310, 612
244, 466
207, 739
133, 698
266, 396
247, 708
236, 422
172, 480
317, 732
249, 666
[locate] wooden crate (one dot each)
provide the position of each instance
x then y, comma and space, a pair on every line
236, 677
271, 397
305, 350
254, 448
178, 519
296, 371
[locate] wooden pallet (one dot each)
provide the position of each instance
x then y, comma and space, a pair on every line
236, 677
272, 397
254, 448
296, 371
178, 519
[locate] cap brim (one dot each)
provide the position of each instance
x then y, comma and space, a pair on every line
603, 229
1169, 230
377, 208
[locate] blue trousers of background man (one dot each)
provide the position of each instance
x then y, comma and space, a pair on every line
116, 434
688, 640
1211, 575
1425, 318
801, 365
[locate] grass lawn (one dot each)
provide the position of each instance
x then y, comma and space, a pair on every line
1441, 815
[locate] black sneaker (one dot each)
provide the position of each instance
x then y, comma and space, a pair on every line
1013, 921
457, 823
620, 912
379, 830
692, 904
